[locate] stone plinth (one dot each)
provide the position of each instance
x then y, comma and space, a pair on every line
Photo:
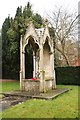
34, 85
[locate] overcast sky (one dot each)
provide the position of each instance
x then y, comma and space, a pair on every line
41, 6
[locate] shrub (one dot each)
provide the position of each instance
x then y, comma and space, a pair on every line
68, 75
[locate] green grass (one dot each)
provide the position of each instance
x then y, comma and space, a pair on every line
8, 86
64, 106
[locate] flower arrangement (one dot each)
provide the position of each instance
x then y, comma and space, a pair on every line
35, 78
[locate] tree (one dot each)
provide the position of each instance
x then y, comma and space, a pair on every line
12, 29
27, 12
64, 25
38, 21
5, 45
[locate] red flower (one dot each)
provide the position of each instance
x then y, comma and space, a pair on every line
34, 78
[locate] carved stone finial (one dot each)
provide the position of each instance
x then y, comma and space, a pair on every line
46, 22
30, 18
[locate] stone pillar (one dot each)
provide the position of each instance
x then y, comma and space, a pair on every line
20, 80
34, 64
53, 70
21, 63
51, 65
23, 56
54, 81
38, 64
23, 71
41, 70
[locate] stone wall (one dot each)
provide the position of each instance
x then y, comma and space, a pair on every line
34, 85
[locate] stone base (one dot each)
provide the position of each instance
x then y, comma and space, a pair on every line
34, 85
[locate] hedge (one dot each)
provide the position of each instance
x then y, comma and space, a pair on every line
68, 75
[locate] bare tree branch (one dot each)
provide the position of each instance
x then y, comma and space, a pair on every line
65, 26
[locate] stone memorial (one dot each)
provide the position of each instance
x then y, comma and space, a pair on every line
43, 73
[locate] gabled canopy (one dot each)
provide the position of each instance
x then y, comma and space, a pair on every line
41, 34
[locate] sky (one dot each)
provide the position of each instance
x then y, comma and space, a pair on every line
8, 7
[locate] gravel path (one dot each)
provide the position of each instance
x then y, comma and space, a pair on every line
8, 102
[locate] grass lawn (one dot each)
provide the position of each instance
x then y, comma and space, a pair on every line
64, 106
8, 86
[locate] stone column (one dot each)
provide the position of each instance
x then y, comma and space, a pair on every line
38, 65
21, 76
54, 78
23, 71
51, 74
41, 70
54, 81
51, 65
23, 56
34, 64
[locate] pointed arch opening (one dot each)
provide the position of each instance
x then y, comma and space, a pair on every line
46, 59
31, 54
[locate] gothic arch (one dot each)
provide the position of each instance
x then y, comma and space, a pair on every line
32, 40
35, 48
30, 32
48, 42
46, 58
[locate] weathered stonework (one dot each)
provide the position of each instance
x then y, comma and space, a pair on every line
43, 59
31, 85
